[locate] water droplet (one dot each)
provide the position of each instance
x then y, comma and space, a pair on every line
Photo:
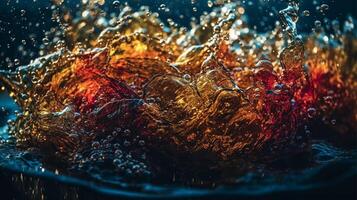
22, 12
324, 7
187, 77
217, 29
306, 13
141, 142
162, 7
209, 4
94, 156
333, 121
126, 143
95, 144
58, 2
117, 161
118, 152
16, 62
317, 24
311, 112
116, 146
116, 4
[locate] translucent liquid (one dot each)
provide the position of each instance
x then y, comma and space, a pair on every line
219, 90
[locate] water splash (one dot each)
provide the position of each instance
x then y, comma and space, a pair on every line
131, 91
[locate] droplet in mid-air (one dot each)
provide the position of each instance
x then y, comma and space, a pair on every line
306, 13
116, 4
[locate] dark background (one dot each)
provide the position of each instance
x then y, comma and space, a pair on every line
23, 23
